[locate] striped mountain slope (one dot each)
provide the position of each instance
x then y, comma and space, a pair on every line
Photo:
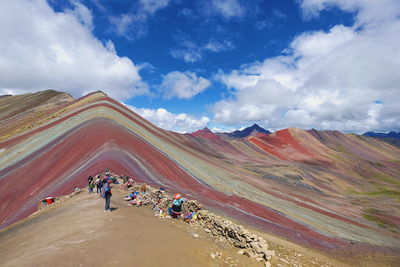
322, 189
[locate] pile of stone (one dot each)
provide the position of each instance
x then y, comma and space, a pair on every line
249, 243
60, 199
161, 200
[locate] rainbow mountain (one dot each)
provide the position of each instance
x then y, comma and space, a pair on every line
321, 189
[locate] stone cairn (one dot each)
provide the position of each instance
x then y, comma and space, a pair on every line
249, 243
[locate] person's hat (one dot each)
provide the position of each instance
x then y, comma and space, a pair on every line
177, 196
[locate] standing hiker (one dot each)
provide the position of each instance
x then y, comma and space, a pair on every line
106, 194
90, 184
98, 184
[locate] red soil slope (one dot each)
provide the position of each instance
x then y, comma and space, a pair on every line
320, 189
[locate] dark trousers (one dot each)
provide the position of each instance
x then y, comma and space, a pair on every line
98, 189
108, 198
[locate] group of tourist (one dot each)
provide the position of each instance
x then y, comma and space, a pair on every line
136, 198
103, 188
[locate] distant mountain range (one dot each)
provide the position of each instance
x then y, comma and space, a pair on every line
249, 131
205, 133
391, 137
390, 134
254, 130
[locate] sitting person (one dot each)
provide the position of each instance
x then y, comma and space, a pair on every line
136, 202
131, 196
176, 209
128, 184
143, 189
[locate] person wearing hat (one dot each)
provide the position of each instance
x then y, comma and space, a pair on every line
176, 209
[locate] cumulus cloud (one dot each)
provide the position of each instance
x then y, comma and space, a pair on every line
182, 122
183, 85
82, 13
345, 78
368, 11
43, 49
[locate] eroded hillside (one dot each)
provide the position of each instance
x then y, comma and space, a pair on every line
326, 190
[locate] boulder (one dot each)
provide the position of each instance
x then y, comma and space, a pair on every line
268, 254
255, 246
249, 253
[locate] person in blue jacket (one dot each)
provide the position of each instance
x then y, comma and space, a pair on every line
106, 194
176, 209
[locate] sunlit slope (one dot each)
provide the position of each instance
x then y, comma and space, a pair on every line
298, 184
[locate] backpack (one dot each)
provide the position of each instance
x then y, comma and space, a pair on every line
107, 190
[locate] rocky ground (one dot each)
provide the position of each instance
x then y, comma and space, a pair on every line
77, 232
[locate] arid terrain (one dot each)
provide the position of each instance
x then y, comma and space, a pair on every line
311, 191
78, 232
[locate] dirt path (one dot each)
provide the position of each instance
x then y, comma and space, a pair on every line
80, 233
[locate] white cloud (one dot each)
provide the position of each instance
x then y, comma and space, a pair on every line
216, 46
188, 54
368, 11
82, 13
228, 8
130, 26
42, 49
238, 79
223, 129
133, 25
152, 6
191, 52
345, 79
183, 85
188, 50
182, 123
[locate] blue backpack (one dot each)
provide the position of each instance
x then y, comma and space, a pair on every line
104, 190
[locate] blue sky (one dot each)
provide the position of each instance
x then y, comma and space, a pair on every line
224, 64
